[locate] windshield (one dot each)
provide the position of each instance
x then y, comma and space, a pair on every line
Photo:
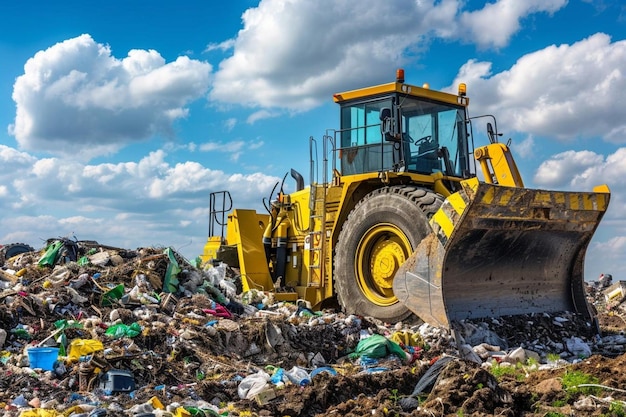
436, 137
426, 137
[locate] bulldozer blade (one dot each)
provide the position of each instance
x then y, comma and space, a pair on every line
499, 251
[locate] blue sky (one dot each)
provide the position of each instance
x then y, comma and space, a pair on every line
119, 118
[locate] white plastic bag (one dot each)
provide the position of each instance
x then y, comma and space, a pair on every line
252, 385
578, 347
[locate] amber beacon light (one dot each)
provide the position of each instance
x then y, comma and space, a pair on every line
400, 75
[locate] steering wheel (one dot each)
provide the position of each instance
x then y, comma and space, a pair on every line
424, 139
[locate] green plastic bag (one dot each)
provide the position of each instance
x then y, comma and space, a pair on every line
378, 346
170, 282
122, 330
109, 297
49, 258
63, 324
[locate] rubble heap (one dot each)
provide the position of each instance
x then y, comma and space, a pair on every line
147, 332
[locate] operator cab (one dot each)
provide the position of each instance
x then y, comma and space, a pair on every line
402, 128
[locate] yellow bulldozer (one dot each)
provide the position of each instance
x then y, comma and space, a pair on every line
399, 221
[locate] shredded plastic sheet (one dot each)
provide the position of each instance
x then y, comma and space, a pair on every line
83, 347
170, 282
51, 254
122, 330
378, 346
40, 412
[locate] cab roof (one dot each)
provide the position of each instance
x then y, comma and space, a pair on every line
400, 88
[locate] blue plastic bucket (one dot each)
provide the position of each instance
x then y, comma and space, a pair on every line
43, 357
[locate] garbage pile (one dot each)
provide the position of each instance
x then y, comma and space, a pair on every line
93, 330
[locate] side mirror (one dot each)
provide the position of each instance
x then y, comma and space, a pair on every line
491, 134
386, 124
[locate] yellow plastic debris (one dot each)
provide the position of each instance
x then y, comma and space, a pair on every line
156, 403
82, 347
40, 412
74, 409
182, 412
407, 338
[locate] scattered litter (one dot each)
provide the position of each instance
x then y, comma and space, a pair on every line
93, 330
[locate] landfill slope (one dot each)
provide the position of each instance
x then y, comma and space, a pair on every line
146, 332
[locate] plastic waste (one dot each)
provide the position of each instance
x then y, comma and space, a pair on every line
170, 282
21, 333
51, 254
578, 347
378, 346
122, 330
427, 381
3, 337
252, 385
323, 369
115, 293
40, 412
20, 401
278, 377
216, 274
80, 281
58, 277
298, 376
82, 347
119, 380
407, 338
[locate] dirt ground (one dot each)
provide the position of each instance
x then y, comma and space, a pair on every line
185, 356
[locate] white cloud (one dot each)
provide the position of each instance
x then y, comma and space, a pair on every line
564, 92
222, 46
76, 98
126, 204
230, 124
494, 24
564, 169
524, 148
611, 252
262, 114
582, 171
613, 245
234, 148
293, 55
228, 147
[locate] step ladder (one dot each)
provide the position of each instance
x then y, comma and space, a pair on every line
318, 241
317, 235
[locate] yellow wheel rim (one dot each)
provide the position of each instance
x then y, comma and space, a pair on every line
381, 251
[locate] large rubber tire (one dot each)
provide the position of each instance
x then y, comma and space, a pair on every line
13, 249
380, 233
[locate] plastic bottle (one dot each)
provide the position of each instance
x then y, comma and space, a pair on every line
298, 376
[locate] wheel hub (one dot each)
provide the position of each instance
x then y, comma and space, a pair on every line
387, 257
380, 253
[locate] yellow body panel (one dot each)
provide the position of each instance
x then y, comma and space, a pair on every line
245, 230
